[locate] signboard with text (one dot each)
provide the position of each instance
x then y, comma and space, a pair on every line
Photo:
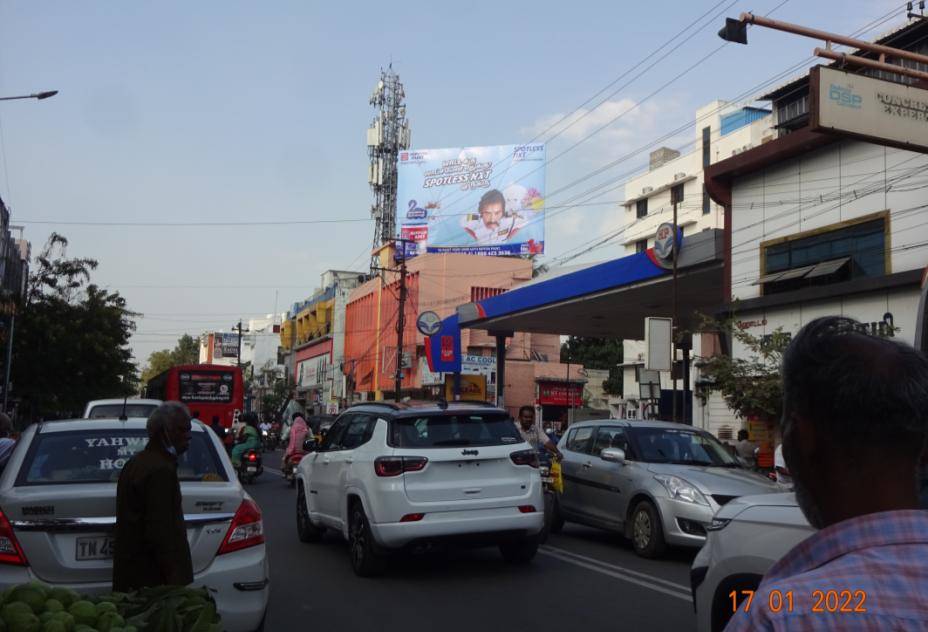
874, 110
473, 388
560, 394
225, 345
474, 200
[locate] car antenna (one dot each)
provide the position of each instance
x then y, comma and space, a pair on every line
123, 416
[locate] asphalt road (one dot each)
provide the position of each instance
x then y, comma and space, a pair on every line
582, 579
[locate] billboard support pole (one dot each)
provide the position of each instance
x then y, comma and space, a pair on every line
239, 357
401, 325
673, 326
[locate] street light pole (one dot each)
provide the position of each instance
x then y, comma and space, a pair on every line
9, 359
37, 95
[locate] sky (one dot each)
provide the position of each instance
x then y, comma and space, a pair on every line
224, 112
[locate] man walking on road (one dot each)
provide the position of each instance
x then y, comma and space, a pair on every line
151, 546
855, 424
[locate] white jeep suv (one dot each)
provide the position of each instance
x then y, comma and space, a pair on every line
404, 476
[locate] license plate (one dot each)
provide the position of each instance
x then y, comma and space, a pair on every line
252, 468
97, 548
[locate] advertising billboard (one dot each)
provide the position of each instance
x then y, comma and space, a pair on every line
474, 200
225, 345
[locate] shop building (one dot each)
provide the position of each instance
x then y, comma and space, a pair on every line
820, 223
439, 282
312, 342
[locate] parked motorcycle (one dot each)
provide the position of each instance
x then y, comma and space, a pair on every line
251, 467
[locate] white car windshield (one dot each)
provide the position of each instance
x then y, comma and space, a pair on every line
114, 411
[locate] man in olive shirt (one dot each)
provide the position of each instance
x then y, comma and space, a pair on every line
151, 546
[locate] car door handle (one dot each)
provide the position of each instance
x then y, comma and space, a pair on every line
326, 461
587, 465
349, 461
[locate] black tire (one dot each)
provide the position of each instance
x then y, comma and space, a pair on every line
366, 561
647, 533
520, 551
557, 518
305, 530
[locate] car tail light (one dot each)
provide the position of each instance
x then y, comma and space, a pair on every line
246, 530
396, 465
525, 457
412, 517
296, 458
10, 551
527, 508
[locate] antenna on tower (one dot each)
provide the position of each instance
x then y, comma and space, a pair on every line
387, 135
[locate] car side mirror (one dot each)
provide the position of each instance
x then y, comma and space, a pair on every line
613, 455
310, 445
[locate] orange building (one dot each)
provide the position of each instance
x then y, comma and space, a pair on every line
440, 282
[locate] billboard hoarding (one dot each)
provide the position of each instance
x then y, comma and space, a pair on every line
472, 200
874, 110
225, 345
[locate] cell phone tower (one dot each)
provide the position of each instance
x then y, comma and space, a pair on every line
388, 134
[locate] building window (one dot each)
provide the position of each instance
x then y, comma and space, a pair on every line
641, 245
641, 207
676, 194
825, 257
706, 154
706, 202
792, 114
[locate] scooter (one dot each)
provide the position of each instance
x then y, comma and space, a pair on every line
251, 466
289, 467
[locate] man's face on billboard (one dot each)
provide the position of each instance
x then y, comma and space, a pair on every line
492, 214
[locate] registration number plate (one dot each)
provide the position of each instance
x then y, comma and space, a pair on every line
252, 468
97, 548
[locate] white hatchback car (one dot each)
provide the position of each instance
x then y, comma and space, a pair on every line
120, 407
391, 476
746, 538
58, 508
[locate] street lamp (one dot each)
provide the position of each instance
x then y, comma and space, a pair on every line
37, 95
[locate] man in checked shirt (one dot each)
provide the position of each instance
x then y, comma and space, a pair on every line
855, 422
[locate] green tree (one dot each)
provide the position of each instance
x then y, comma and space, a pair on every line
71, 338
186, 351
597, 353
751, 385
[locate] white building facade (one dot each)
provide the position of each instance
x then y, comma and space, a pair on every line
722, 130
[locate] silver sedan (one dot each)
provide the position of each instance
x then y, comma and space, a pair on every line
58, 502
657, 483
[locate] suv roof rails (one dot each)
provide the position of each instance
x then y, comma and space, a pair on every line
419, 403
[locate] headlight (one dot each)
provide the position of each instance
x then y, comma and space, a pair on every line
718, 524
679, 489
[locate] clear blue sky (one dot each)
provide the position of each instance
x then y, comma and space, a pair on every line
238, 111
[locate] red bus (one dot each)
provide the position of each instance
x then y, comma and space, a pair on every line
211, 390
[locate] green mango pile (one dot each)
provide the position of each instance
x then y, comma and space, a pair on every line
35, 607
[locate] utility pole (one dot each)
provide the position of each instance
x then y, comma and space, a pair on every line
675, 198
239, 358
400, 327
399, 256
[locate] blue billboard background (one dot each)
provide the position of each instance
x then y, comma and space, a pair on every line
475, 200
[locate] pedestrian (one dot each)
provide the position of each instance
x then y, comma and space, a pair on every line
533, 434
195, 416
855, 425
228, 439
151, 546
746, 449
217, 428
7, 442
779, 467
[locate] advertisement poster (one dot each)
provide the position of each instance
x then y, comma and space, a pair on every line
473, 388
225, 345
206, 386
474, 200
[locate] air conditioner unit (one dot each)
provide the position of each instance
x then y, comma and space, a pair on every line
646, 190
679, 176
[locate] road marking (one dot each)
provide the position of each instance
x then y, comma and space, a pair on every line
273, 471
653, 583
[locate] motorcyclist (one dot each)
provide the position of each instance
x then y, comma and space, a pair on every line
298, 431
249, 438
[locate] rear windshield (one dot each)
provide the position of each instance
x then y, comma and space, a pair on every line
57, 458
453, 430
114, 411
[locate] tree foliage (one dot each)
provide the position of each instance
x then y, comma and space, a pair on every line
71, 337
751, 386
186, 351
597, 353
